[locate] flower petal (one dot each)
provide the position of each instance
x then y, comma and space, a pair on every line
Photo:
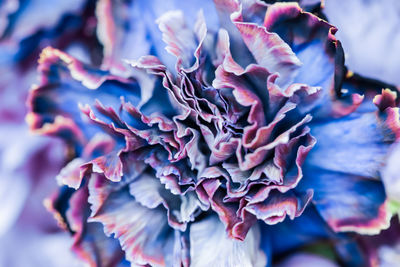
292, 234
141, 231
209, 246
182, 42
312, 40
270, 51
53, 104
354, 145
277, 206
90, 242
119, 27
348, 202
150, 11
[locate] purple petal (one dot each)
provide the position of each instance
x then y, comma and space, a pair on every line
71, 175
277, 206
270, 51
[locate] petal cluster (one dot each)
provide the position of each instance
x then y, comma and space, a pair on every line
247, 124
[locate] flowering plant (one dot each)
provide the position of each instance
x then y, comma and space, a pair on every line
196, 154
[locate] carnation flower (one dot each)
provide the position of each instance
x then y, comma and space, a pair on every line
194, 159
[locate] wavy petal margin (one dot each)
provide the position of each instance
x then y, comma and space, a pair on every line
209, 246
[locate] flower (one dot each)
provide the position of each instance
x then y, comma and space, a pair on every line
194, 159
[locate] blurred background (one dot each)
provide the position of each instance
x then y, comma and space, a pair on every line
29, 236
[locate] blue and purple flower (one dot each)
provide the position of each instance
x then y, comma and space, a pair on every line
195, 142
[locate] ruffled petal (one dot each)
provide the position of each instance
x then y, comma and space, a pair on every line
226, 9
209, 246
182, 42
70, 175
270, 51
141, 231
71, 211
277, 206
90, 242
53, 106
151, 193
150, 11
312, 40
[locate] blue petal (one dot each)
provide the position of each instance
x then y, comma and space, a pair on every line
353, 144
292, 234
347, 202
66, 83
